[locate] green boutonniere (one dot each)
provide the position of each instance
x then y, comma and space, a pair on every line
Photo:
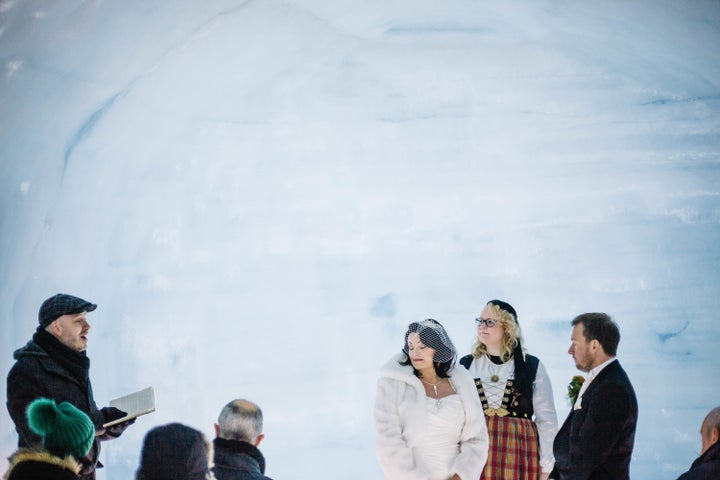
574, 388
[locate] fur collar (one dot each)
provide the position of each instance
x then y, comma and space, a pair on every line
404, 373
31, 455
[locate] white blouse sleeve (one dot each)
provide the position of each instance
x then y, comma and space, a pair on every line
545, 417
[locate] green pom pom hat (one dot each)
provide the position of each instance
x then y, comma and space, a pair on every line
65, 429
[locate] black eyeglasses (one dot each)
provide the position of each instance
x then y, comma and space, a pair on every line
488, 322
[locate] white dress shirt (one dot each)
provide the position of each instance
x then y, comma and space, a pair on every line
590, 377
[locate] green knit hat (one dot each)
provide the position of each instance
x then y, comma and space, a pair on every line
65, 429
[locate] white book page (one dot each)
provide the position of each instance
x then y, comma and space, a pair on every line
135, 404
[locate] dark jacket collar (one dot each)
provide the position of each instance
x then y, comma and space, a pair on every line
711, 454
610, 368
77, 363
228, 453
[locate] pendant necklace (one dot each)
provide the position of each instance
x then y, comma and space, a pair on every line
435, 390
492, 366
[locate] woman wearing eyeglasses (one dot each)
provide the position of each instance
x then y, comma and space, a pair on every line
516, 395
428, 418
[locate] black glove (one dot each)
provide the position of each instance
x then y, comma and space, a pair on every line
113, 431
110, 414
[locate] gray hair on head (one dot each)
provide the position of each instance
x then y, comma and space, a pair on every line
240, 420
712, 420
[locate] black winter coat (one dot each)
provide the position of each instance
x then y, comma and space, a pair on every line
236, 460
36, 374
706, 466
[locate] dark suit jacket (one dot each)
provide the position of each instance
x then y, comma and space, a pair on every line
596, 441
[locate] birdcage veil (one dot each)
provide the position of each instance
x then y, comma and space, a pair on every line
432, 335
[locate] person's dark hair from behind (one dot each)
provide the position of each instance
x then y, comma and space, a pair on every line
175, 451
599, 326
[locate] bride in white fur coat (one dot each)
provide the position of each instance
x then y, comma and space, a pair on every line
428, 417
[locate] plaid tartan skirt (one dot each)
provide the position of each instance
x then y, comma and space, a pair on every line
513, 449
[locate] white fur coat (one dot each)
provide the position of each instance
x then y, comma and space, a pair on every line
401, 419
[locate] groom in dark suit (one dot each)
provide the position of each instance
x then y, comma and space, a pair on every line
596, 440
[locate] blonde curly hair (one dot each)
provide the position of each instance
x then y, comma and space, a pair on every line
512, 335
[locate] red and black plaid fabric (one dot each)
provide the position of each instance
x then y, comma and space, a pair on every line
513, 450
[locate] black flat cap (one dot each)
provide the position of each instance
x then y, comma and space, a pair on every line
62, 304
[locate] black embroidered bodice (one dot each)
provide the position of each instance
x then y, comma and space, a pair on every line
517, 396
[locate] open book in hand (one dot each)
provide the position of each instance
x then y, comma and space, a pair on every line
135, 404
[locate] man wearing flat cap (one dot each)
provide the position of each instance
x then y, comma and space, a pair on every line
54, 365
